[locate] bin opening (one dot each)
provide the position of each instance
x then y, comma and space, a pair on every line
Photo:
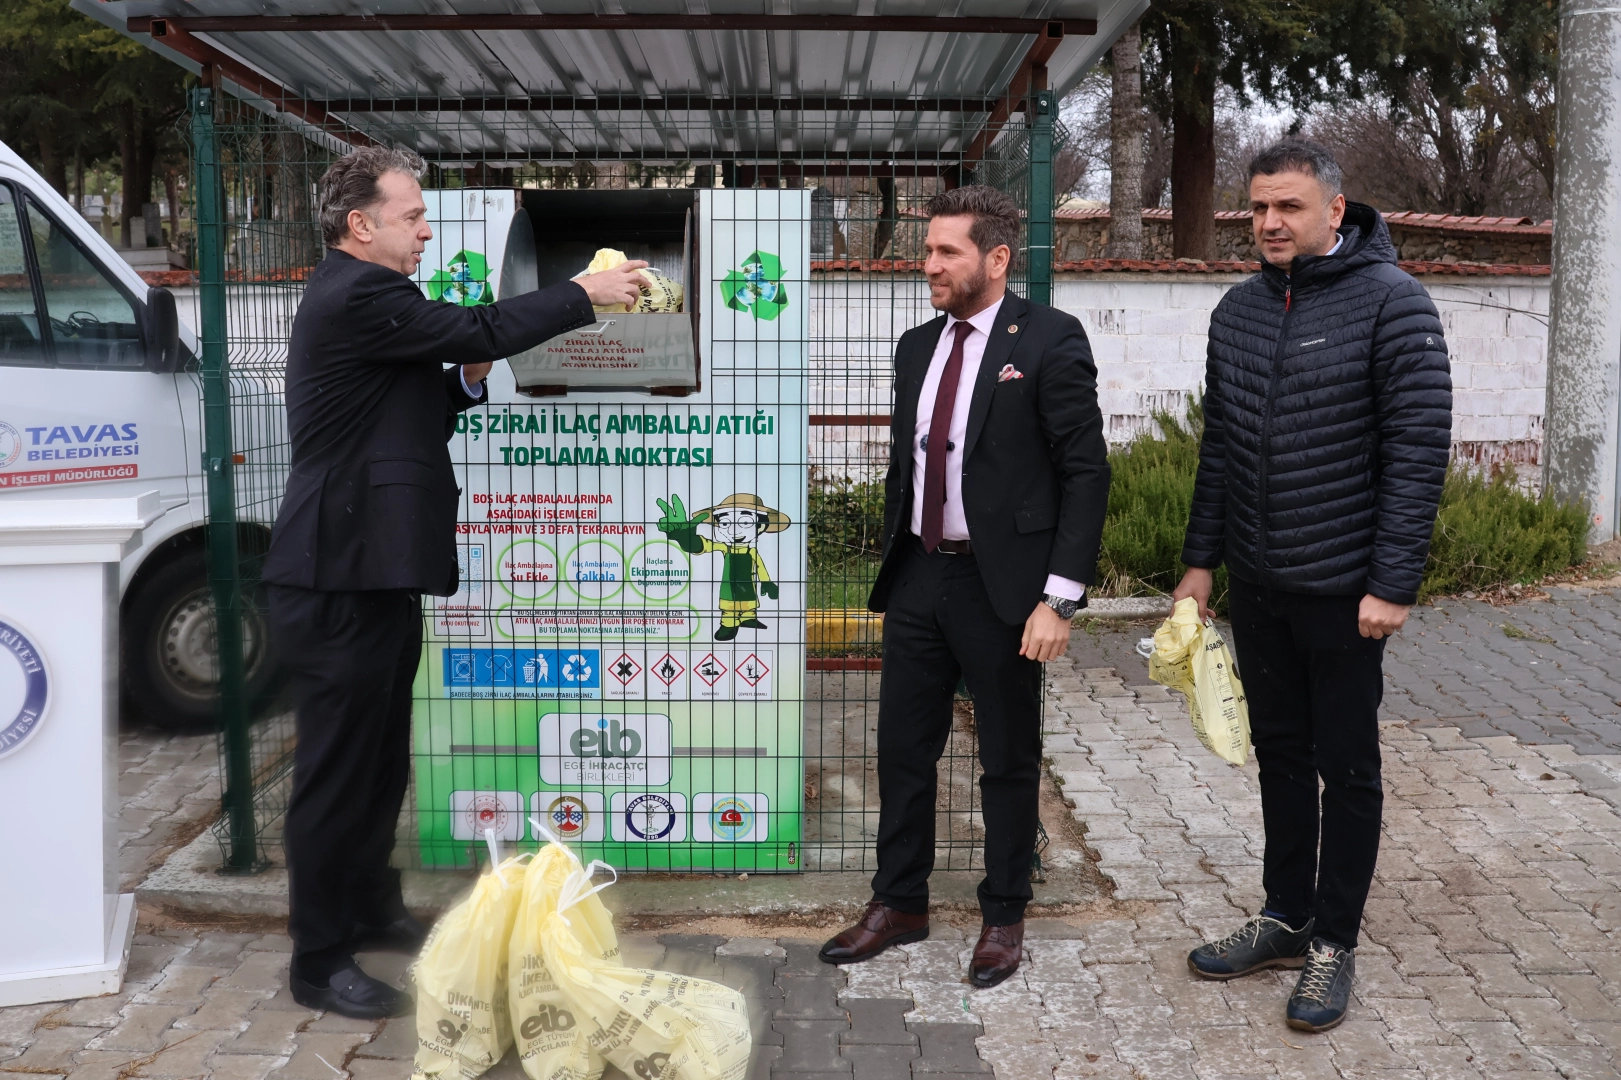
554, 236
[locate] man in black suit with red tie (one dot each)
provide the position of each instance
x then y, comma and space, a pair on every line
993, 515
368, 524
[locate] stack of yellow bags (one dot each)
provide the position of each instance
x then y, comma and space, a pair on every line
531, 956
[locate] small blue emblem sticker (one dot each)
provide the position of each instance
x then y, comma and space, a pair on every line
19, 721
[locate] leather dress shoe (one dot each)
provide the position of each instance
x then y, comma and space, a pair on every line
996, 954
404, 934
352, 993
878, 929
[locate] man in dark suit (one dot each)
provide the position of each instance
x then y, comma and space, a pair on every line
993, 515
367, 525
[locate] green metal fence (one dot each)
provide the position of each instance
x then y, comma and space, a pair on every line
254, 173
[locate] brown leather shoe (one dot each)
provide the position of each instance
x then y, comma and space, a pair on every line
996, 955
879, 928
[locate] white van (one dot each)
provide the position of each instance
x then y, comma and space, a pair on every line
99, 397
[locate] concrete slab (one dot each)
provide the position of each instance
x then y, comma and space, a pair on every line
189, 882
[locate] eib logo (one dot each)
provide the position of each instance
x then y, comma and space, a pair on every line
466, 281
756, 287
548, 1019
611, 740
652, 1066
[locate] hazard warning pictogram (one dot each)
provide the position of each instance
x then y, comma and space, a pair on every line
625, 668
752, 670
667, 669
710, 669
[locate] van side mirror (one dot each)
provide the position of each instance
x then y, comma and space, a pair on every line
160, 331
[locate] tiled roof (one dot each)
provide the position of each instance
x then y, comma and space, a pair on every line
1410, 219
1455, 223
186, 278
1175, 266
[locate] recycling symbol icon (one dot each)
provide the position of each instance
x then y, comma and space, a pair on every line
465, 281
756, 286
577, 668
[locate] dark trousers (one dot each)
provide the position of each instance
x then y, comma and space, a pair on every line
1314, 685
351, 658
939, 628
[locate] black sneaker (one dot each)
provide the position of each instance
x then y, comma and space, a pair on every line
1324, 991
1259, 944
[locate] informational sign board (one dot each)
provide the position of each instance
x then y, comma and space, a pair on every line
624, 659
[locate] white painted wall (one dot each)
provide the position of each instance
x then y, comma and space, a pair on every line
1148, 334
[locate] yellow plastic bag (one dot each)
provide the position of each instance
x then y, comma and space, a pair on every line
1190, 656
462, 1017
647, 1023
553, 1042
660, 294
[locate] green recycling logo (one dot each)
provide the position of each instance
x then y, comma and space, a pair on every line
756, 287
466, 282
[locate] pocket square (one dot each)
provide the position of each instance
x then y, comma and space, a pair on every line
1009, 372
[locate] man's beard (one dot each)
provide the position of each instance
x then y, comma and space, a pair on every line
965, 300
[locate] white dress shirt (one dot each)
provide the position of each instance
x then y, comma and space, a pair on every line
468, 390
955, 522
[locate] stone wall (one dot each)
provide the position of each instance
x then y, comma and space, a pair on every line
1084, 235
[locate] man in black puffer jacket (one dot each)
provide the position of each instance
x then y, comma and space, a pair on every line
1328, 416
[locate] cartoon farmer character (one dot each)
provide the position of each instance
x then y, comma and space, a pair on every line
738, 522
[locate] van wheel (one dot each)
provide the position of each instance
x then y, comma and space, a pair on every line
170, 648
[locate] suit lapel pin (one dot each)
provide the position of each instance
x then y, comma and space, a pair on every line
1013, 328
1009, 372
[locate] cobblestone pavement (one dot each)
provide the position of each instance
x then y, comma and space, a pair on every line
1491, 946
1543, 671
169, 785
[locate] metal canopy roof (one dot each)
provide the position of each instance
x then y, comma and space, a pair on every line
810, 80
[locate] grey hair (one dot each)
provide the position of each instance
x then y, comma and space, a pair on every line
1300, 155
995, 214
351, 184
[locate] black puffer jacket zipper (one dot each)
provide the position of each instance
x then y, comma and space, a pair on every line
1266, 429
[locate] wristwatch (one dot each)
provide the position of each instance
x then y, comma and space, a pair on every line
1066, 608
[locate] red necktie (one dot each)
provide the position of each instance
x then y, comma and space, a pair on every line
934, 462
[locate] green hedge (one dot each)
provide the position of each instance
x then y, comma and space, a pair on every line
1489, 531
846, 540
1150, 496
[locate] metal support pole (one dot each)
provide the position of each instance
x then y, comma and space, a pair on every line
242, 853
1039, 250
1584, 333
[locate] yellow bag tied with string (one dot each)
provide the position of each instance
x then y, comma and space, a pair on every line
647, 1023
462, 1017
1190, 656
660, 294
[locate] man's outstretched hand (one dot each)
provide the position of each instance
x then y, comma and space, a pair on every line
620, 285
1197, 583
1376, 618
